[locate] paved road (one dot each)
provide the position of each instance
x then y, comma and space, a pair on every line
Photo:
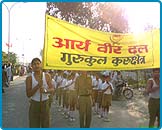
123, 113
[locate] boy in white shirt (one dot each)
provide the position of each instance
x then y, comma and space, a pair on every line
99, 96
62, 88
96, 81
72, 96
107, 97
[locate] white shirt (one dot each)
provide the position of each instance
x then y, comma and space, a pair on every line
58, 79
96, 83
71, 84
63, 83
100, 85
155, 94
109, 85
54, 83
9, 72
76, 75
36, 96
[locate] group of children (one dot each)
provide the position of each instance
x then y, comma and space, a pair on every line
65, 93
102, 95
66, 96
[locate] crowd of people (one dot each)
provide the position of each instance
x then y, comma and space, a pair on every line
9, 71
82, 90
85, 91
71, 90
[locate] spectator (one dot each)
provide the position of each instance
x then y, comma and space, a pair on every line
9, 73
153, 88
4, 78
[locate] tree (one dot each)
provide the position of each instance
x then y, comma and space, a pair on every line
114, 15
13, 58
4, 57
148, 27
101, 16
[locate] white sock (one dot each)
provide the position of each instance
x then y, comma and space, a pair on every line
93, 108
72, 114
65, 110
96, 107
106, 114
100, 111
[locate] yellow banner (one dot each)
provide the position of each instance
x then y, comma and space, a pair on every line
71, 47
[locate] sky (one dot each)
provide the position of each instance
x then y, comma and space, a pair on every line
28, 24
27, 29
140, 13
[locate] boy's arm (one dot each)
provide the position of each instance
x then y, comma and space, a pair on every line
49, 83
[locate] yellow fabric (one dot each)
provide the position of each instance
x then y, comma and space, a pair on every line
71, 47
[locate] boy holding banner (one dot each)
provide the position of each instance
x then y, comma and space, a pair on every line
38, 88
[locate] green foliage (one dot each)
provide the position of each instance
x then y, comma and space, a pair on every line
142, 83
4, 57
132, 82
103, 16
12, 58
